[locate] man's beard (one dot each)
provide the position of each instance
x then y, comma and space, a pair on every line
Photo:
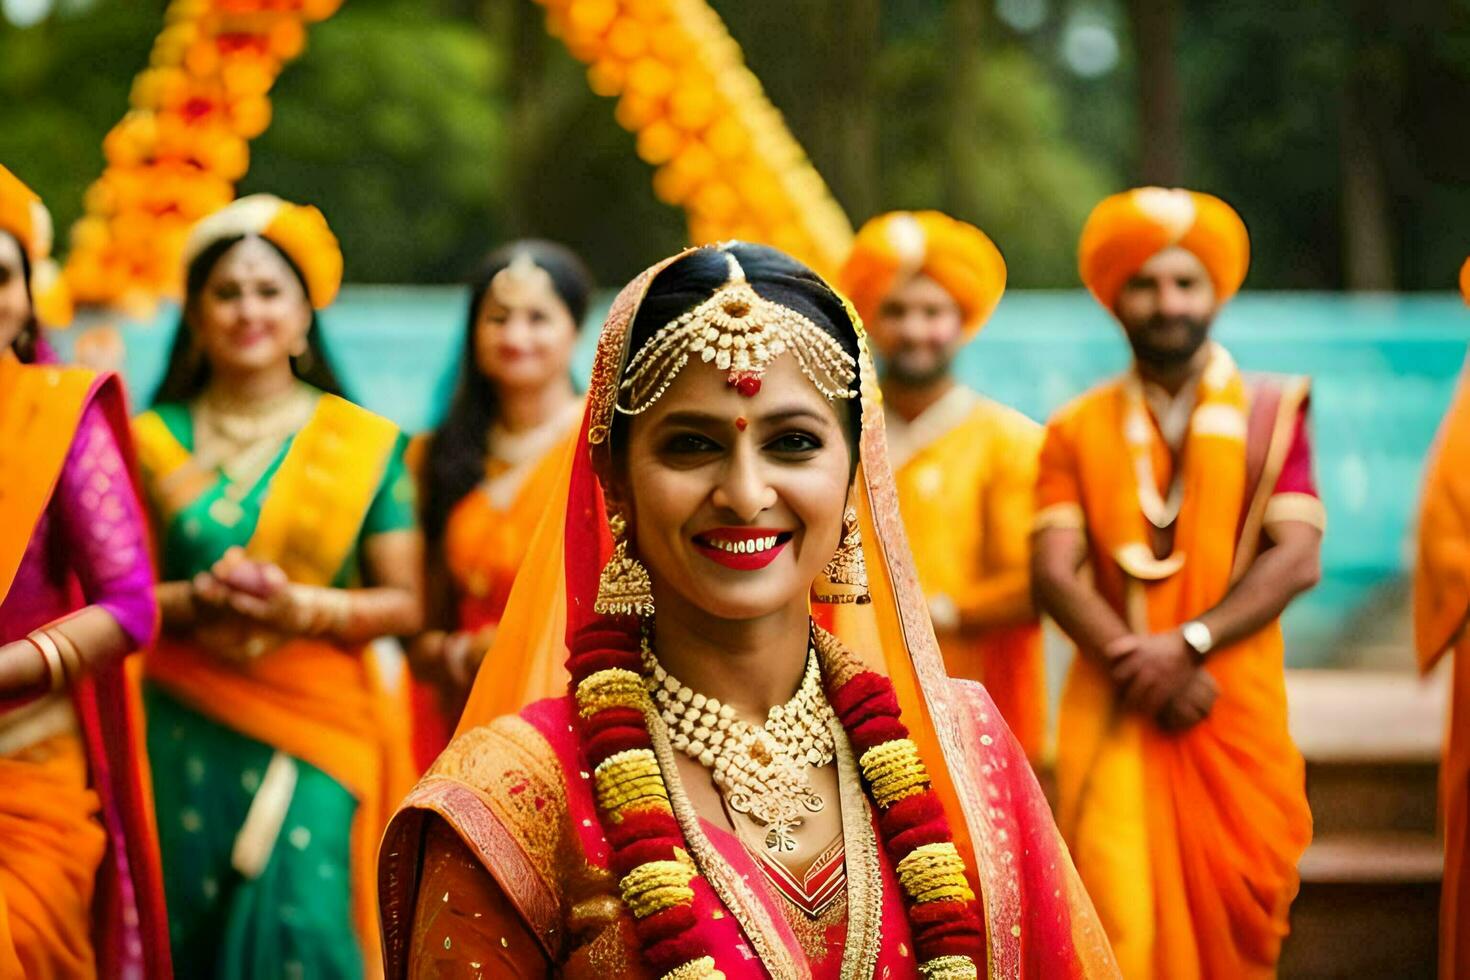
1173, 355
901, 370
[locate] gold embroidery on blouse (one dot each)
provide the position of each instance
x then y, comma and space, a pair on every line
515, 769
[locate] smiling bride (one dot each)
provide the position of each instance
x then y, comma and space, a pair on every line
672, 771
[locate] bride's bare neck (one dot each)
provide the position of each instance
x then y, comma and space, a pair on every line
751, 664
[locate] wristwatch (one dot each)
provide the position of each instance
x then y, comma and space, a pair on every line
1198, 637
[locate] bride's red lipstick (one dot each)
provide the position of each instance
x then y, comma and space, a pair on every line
742, 548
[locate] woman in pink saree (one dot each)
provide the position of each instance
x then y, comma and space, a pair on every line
80, 891
673, 771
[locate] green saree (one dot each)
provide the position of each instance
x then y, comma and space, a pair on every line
210, 745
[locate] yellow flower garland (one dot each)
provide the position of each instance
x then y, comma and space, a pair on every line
629, 778
894, 770
175, 156
611, 688
721, 150
700, 969
657, 885
934, 872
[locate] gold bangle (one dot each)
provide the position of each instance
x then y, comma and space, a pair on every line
342, 609
71, 657
46, 647
326, 611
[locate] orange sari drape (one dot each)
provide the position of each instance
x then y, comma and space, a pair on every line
68, 904
484, 547
1187, 842
1441, 602
53, 847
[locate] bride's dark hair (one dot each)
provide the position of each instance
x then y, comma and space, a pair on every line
773, 274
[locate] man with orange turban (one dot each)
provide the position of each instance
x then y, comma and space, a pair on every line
1441, 609
965, 466
1185, 490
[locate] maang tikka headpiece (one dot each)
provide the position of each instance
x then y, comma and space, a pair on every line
742, 332
523, 272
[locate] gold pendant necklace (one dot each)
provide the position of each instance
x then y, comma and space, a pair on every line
760, 770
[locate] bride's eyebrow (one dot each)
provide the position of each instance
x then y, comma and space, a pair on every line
696, 419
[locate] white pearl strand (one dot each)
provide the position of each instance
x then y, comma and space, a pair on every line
760, 770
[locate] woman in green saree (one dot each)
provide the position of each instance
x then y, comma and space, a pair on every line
284, 519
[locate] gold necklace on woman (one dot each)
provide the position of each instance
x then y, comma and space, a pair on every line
242, 438
760, 770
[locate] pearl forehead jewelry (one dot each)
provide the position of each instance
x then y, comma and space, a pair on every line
760, 770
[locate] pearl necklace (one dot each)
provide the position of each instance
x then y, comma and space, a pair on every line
760, 770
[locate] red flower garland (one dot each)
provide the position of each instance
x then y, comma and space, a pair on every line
948, 933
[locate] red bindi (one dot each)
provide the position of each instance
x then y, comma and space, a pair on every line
741, 422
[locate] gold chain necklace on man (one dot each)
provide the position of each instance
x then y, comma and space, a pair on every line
760, 770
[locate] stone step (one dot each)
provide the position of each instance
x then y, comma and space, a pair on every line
1373, 796
1373, 858
1366, 716
1368, 907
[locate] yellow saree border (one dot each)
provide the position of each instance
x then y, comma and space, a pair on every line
40, 408
317, 500
321, 494
173, 481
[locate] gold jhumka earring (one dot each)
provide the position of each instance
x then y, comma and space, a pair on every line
845, 578
624, 588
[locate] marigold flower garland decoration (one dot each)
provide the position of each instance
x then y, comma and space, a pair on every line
649, 853
720, 149
176, 155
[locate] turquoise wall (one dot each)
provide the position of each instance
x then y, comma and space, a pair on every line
1384, 368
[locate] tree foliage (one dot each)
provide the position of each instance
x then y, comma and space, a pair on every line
430, 130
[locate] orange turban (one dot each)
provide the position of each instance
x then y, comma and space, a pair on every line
299, 230
1128, 229
894, 246
23, 215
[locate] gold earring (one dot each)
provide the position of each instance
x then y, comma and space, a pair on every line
625, 588
845, 578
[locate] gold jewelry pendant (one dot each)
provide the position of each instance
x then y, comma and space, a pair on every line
845, 577
625, 588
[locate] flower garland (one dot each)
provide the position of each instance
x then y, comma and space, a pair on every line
720, 149
949, 937
176, 155
649, 853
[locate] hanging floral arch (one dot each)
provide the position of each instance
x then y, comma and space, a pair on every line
718, 147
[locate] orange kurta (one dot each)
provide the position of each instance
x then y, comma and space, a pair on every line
1441, 602
1187, 842
965, 472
